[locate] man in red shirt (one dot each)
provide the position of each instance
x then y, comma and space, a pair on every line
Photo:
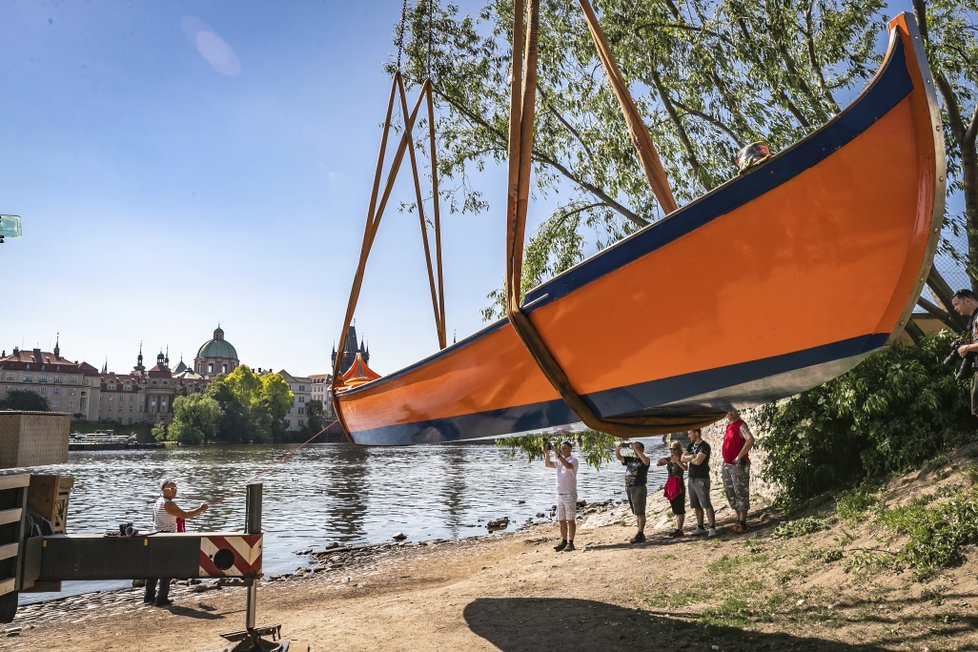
737, 442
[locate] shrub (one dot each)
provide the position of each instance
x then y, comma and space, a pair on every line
897, 408
799, 528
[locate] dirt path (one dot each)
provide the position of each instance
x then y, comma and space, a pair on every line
514, 593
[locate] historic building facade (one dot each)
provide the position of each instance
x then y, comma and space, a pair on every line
322, 389
71, 387
301, 386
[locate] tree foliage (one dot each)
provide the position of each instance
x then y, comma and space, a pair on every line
195, 419
708, 75
594, 448
897, 408
950, 31
22, 399
252, 407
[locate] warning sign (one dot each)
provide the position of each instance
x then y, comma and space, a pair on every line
230, 556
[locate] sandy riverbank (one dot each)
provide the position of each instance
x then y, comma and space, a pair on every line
512, 592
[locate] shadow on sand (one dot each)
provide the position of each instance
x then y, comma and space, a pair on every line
525, 624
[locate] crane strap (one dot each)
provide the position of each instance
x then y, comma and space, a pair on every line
378, 203
647, 153
522, 102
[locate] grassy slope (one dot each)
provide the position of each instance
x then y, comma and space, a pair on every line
887, 567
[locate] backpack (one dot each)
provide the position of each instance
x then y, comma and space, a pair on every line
673, 488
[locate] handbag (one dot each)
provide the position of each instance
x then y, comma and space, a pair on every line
673, 488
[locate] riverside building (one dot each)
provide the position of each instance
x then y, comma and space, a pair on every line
71, 387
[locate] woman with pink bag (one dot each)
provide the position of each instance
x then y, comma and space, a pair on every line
675, 490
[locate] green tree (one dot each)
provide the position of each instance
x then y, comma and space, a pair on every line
245, 385
195, 419
235, 425
20, 399
594, 448
896, 409
275, 399
950, 32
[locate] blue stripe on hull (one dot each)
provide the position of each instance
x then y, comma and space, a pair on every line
621, 400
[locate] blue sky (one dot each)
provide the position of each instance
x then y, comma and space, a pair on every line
183, 164
180, 164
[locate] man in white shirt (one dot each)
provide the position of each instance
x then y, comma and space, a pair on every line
566, 465
166, 515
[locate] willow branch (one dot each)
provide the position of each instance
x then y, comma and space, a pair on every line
543, 158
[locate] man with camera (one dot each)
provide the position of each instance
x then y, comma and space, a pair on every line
636, 476
965, 303
566, 465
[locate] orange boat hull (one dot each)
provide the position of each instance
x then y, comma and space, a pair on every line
773, 283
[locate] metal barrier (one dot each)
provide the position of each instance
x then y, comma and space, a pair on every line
33, 556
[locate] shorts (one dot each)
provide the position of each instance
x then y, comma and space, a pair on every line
566, 507
636, 498
699, 493
974, 395
736, 484
678, 504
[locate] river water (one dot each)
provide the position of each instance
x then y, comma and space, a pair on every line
324, 493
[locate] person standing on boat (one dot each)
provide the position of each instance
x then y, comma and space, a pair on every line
697, 458
965, 303
674, 490
566, 465
636, 476
165, 515
737, 442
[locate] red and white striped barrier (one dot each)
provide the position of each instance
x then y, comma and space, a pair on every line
230, 556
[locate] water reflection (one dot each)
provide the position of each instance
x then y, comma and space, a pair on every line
328, 492
453, 470
344, 488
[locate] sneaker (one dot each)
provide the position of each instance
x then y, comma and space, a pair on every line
560, 546
569, 547
712, 532
697, 532
676, 533
638, 538
736, 528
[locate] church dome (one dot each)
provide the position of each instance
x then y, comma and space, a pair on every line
217, 347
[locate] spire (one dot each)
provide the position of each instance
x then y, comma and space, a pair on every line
166, 360
139, 359
105, 365
350, 348
57, 345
